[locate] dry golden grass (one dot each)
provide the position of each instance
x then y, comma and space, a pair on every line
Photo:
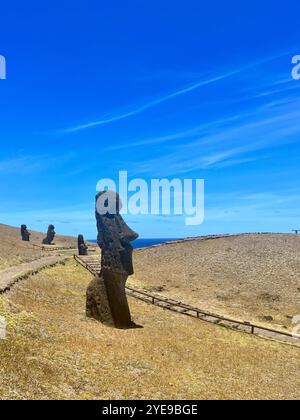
54, 352
247, 277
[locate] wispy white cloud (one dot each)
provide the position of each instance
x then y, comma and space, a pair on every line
287, 86
150, 104
201, 130
277, 89
269, 126
262, 207
271, 119
108, 119
185, 134
26, 164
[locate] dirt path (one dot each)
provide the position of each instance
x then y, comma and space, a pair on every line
12, 275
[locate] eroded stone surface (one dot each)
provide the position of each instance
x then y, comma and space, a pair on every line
25, 234
114, 239
82, 247
50, 235
97, 302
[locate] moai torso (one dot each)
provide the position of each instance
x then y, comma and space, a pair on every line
106, 295
82, 248
25, 234
114, 239
50, 235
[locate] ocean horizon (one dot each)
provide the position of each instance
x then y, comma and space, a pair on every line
145, 242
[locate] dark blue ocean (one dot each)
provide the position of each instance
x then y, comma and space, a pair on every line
144, 243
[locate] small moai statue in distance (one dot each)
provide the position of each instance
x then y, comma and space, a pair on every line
25, 234
106, 295
82, 247
50, 235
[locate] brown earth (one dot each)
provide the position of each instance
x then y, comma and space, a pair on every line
249, 277
53, 352
14, 251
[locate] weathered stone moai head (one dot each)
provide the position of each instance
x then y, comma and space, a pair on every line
106, 296
50, 235
114, 236
25, 234
82, 248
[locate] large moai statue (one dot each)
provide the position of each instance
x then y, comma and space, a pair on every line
25, 234
50, 235
106, 295
82, 247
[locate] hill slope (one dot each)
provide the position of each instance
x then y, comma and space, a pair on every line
250, 277
53, 352
14, 251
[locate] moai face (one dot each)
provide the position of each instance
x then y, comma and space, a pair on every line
114, 235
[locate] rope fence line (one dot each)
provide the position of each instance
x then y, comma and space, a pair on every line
205, 238
94, 268
54, 248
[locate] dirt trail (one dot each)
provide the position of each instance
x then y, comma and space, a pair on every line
12, 275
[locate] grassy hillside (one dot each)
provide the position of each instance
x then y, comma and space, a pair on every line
251, 277
14, 251
53, 351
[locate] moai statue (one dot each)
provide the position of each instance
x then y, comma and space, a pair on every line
50, 235
82, 248
25, 234
106, 295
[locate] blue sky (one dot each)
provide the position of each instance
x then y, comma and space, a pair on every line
158, 88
